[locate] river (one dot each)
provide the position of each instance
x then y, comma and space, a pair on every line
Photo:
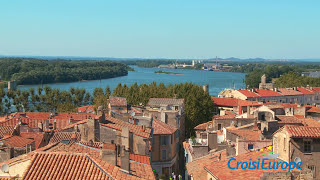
217, 81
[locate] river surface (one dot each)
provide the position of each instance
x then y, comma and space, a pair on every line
217, 81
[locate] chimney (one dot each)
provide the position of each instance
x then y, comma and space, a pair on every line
222, 112
93, 129
74, 137
40, 126
125, 159
84, 132
125, 137
255, 125
163, 116
54, 124
108, 153
46, 124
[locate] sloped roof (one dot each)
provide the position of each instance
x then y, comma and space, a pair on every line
303, 131
267, 93
233, 102
86, 109
118, 101
314, 110
160, 127
64, 166
221, 170
59, 136
17, 141
203, 126
196, 167
283, 119
119, 124
289, 92
165, 101
139, 164
246, 134
305, 91
6, 130
32, 119
248, 93
36, 136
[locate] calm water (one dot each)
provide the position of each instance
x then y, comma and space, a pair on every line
217, 80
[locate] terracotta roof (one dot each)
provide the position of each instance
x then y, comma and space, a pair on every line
267, 93
59, 136
228, 115
246, 134
310, 122
17, 141
118, 101
160, 127
71, 126
315, 89
305, 91
196, 167
140, 158
32, 119
139, 164
248, 93
314, 110
233, 102
135, 129
165, 101
302, 131
36, 136
222, 171
289, 92
6, 130
202, 126
64, 166
283, 119
86, 109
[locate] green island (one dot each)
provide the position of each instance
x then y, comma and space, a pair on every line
41, 71
164, 72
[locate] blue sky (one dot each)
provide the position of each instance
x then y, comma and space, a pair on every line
161, 29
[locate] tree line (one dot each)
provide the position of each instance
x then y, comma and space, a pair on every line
38, 71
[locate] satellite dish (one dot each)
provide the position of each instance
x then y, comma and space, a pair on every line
297, 160
5, 168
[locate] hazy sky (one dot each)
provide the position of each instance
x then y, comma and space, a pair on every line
162, 28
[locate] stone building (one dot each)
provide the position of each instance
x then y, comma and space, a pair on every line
264, 84
299, 144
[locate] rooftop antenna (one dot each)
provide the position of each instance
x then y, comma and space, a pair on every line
5, 168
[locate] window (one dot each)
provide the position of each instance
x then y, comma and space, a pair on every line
307, 146
219, 126
263, 117
163, 154
176, 108
250, 146
164, 140
313, 169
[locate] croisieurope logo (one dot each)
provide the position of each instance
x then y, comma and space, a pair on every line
264, 161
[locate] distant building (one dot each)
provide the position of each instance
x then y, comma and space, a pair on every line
264, 84
12, 85
315, 74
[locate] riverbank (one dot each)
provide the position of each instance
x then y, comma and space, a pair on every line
164, 72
